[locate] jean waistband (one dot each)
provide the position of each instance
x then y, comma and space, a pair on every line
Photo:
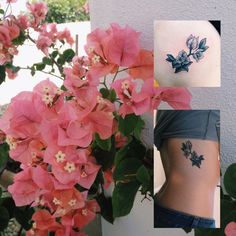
183, 214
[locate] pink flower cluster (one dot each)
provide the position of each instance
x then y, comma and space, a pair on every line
12, 27
108, 51
51, 139
48, 35
9, 31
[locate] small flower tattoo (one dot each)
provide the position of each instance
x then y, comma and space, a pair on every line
183, 59
191, 154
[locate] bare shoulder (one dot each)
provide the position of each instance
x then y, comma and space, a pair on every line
187, 53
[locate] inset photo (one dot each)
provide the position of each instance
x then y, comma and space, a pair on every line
187, 53
187, 169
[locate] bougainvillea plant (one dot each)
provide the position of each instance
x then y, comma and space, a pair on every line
72, 142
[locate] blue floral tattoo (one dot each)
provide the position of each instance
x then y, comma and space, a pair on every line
183, 61
191, 155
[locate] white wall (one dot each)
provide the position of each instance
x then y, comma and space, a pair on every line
140, 14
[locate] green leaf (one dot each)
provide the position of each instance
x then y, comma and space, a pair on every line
4, 218
134, 149
104, 144
127, 124
68, 55
105, 92
9, 204
20, 39
127, 169
4, 156
63, 88
230, 180
39, 66
123, 198
54, 54
139, 127
47, 61
105, 204
103, 157
1, 11
143, 175
23, 215
2, 74
131, 123
112, 95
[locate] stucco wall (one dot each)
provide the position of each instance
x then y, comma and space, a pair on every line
140, 14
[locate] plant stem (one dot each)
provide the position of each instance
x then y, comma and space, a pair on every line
54, 61
48, 73
115, 75
8, 5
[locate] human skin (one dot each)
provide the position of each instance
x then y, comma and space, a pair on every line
188, 188
170, 38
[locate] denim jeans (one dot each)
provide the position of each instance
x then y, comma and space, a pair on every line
169, 218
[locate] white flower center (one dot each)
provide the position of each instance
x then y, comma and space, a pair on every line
85, 212
96, 59
56, 201
47, 99
69, 167
72, 202
11, 142
125, 84
60, 157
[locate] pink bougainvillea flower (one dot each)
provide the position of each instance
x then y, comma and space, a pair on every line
39, 11
5, 38
43, 224
23, 22
71, 165
88, 172
86, 214
122, 47
48, 99
100, 65
133, 101
24, 190
14, 30
143, 66
230, 229
26, 151
29, 184
21, 119
66, 36
43, 43
176, 97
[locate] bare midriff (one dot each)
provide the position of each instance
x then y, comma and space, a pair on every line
189, 189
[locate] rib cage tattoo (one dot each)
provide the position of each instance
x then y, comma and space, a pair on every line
191, 154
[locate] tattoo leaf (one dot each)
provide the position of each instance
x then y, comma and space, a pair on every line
202, 43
